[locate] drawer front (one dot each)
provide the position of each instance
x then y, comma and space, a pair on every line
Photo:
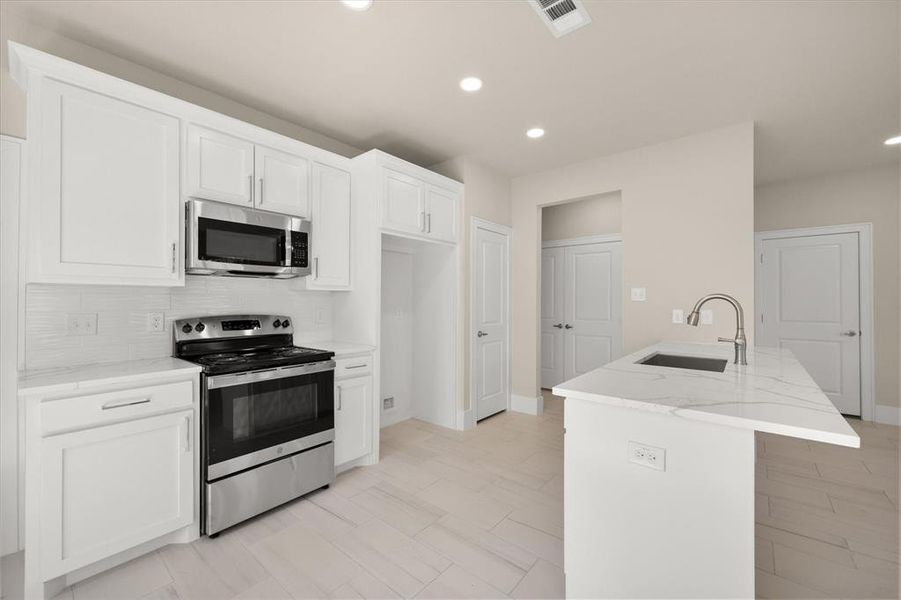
353, 367
79, 412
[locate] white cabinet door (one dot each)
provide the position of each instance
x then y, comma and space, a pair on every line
441, 214
331, 229
283, 182
353, 419
107, 207
403, 206
219, 166
111, 488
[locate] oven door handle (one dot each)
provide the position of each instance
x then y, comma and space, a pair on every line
233, 379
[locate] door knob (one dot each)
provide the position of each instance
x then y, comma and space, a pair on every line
568, 326
850, 333
558, 325
481, 334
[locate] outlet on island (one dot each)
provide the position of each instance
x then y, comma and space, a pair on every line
647, 456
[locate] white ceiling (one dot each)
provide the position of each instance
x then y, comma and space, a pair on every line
821, 79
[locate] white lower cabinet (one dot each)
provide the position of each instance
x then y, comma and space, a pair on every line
353, 418
111, 488
111, 472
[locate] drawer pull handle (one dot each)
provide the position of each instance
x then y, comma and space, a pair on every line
360, 366
120, 404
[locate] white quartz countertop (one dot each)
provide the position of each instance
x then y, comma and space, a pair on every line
772, 393
339, 348
73, 378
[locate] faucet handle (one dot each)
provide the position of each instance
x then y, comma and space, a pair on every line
722, 339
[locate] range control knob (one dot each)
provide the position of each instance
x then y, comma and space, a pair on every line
286, 323
199, 327
276, 323
187, 328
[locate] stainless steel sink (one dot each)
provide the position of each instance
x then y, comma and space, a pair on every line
679, 361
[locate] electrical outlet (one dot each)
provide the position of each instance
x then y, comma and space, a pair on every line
156, 322
639, 294
81, 324
320, 316
388, 402
678, 315
647, 456
706, 316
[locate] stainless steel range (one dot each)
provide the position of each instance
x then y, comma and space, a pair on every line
267, 434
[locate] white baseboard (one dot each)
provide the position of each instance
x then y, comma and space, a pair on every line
466, 420
890, 415
529, 405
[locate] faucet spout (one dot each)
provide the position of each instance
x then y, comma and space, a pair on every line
740, 341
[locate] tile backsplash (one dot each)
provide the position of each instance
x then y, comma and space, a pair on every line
122, 313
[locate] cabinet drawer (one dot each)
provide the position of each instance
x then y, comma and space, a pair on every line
353, 367
87, 411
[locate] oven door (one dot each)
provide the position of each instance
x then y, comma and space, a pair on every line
233, 240
253, 418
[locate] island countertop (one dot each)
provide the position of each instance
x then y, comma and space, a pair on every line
772, 393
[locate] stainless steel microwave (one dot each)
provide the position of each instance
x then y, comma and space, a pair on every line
225, 239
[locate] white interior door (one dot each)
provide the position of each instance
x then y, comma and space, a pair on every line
551, 316
592, 311
491, 321
811, 305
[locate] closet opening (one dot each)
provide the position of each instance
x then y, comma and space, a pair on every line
581, 302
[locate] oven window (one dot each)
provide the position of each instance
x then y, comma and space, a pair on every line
225, 241
244, 418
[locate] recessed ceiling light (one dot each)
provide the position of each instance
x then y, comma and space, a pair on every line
893, 141
535, 132
357, 4
471, 84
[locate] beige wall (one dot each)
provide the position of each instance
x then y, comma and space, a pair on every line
487, 196
869, 196
596, 215
12, 98
688, 222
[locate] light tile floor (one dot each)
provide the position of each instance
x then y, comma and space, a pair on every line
480, 515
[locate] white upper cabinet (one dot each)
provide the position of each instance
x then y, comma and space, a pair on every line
283, 182
230, 169
330, 229
441, 213
219, 166
106, 206
412, 201
403, 208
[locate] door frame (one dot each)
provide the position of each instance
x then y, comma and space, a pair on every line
476, 224
586, 239
864, 232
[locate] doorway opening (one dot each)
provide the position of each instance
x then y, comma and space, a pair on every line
581, 301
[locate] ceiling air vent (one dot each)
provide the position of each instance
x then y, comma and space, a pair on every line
561, 16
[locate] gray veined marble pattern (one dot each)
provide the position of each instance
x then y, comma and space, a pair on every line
772, 393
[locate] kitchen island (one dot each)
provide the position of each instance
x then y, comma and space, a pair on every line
659, 467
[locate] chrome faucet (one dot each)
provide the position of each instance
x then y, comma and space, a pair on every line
740, 341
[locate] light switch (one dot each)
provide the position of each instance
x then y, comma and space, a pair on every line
678, 316
706, 316
639, 294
